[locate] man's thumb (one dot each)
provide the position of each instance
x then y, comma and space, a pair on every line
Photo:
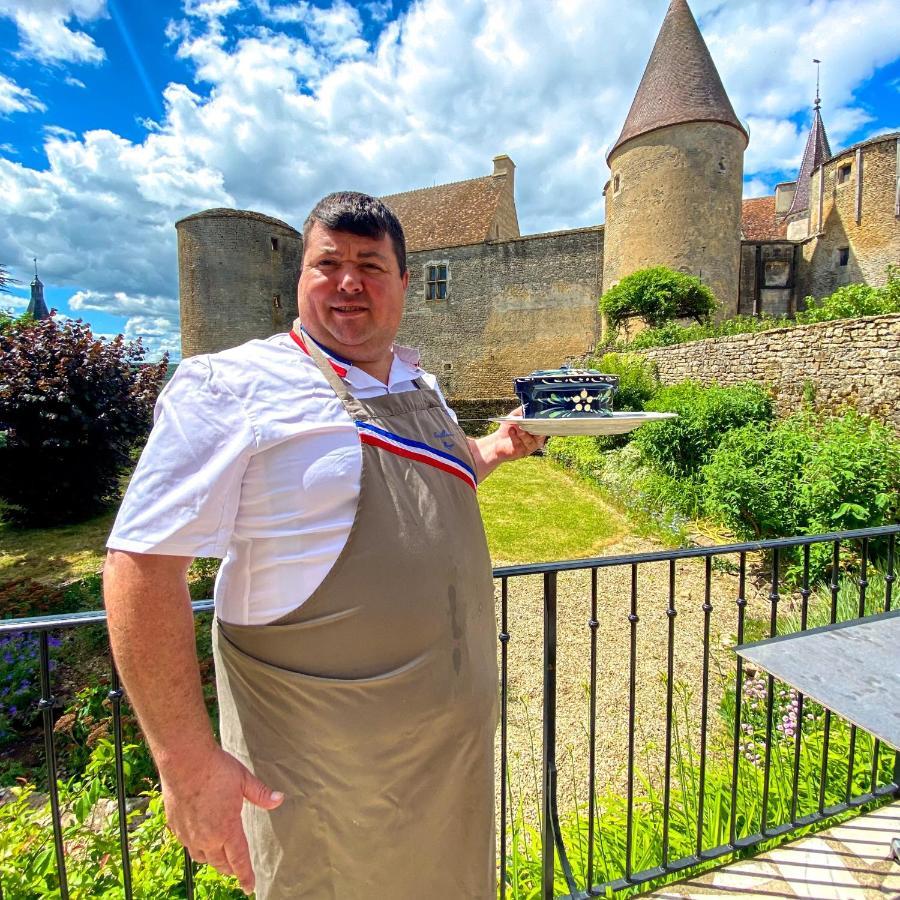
260, 794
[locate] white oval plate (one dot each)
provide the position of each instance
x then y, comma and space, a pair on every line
617, 423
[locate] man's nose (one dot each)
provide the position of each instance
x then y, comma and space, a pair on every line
349, 281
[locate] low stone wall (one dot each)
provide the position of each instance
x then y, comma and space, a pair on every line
848, 362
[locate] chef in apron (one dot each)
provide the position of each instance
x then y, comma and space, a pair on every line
371, 706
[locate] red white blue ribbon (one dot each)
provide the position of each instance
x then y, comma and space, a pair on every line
417, 451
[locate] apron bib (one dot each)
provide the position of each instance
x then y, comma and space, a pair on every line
373, 705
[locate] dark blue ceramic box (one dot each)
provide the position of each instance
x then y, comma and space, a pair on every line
566, 393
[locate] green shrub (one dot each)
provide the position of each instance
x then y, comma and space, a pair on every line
72, 406
658, 295
752, 480
637, 378
583, 454
853, 477
854, 300
672, 333
705, 414
806, 475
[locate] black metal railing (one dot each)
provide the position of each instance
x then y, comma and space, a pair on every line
640, 594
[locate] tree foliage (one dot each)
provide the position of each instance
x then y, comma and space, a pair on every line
658, 295
72, 407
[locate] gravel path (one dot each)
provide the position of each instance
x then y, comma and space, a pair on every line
613, 654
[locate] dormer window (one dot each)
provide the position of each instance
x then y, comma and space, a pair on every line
437, 278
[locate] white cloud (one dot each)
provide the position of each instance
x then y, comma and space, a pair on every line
119, 303
45, 33
210, 9
157, 335
13, 303
9, 150
280, 115
15, 98
757, 187
74, 82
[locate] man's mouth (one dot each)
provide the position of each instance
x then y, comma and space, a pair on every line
345, 310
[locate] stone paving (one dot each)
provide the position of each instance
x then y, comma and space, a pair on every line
848, 862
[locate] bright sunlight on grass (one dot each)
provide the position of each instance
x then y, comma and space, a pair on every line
534, 511
54, 555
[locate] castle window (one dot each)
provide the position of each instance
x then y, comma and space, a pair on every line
437, 277
843, 256
276, 301
616, 184
843, 173
274, 241
448, 366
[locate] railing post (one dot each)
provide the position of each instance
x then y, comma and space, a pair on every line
549, 749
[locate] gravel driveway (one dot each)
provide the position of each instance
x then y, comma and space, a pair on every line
613, 654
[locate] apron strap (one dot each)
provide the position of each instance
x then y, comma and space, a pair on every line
351, 404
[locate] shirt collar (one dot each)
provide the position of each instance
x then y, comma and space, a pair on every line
409, 357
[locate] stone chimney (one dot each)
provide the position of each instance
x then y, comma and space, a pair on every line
784, 197
506, 222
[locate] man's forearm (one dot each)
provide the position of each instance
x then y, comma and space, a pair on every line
151, 630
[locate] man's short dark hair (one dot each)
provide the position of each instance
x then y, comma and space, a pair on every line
358, 214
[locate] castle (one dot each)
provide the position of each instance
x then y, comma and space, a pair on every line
486, 304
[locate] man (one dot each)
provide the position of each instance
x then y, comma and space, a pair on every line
354, 634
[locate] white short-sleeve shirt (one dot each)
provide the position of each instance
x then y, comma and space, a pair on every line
253, 459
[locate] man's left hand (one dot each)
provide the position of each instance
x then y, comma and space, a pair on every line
507, 443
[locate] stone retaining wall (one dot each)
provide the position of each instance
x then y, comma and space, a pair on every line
848, 362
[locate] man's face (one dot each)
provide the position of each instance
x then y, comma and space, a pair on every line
351, 292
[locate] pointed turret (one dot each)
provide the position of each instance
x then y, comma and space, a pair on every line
676, 171
680, 83
817, 153
37, 308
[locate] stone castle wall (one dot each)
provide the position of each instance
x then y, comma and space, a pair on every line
674, 199
237, 276
874, 241
850, 362
512, 307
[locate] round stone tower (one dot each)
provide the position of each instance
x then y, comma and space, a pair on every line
676, 170
237, 275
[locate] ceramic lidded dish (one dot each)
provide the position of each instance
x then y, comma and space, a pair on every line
566, 393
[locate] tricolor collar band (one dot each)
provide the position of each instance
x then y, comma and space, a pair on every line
340, 365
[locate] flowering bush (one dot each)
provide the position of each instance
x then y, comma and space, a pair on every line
20, 683
72, 407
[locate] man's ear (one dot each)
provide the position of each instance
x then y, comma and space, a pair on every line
405, 279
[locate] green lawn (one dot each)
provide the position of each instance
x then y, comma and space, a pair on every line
535, 511
54, 555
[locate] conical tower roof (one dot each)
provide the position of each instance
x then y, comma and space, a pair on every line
680, 83
816, 153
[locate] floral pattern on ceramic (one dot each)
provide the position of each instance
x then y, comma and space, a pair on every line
566, 393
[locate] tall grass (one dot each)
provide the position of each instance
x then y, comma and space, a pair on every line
786, 752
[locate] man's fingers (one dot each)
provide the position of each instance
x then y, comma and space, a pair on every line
219, 861
258, 793
238, 854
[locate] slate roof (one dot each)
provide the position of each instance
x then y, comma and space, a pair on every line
816, 153
680, 83
758, 222
448, 215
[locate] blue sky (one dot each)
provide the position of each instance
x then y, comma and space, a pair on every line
117, 117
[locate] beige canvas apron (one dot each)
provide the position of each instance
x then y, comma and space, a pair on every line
373, 705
